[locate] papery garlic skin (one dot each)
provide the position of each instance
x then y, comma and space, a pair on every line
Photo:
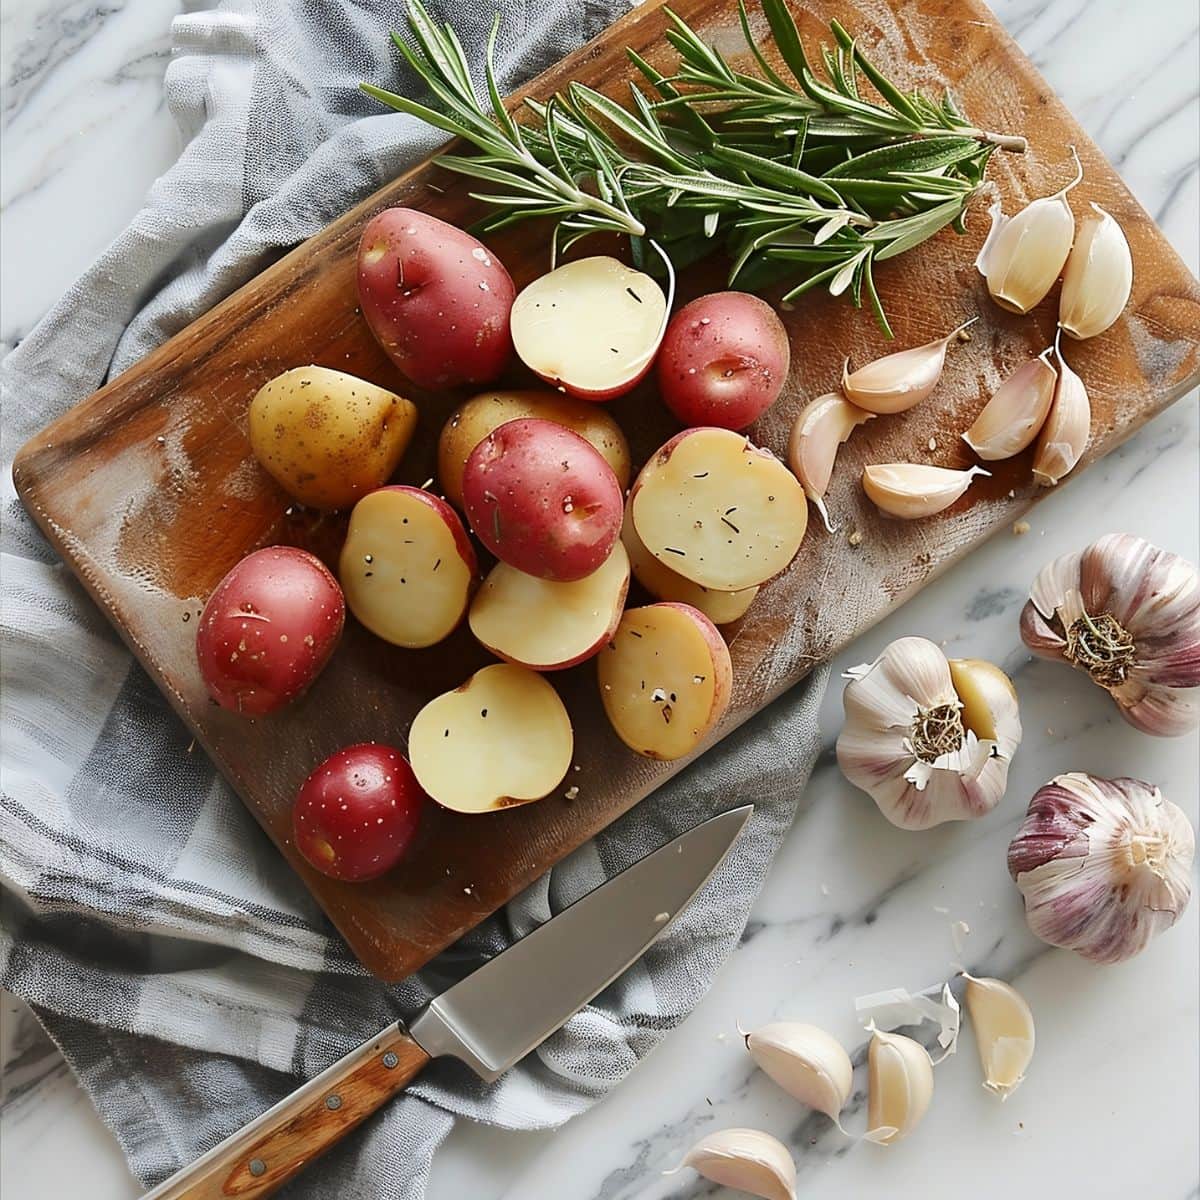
1098, 278
904, 741
911, 491
1004, 1033
1064, 436
899, 381
1104, 865
1128, 614
746, 1159
808, 1063
900, 1086
820, 428
1013, 416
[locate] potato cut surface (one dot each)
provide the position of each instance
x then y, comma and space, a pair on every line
719, 511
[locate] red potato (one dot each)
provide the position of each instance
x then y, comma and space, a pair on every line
665, 679
543, 500
549, 626
407, 566
591, 327
436, 299
723, 361
268, 630
356, 814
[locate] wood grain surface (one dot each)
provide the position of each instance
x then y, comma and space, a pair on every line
150, 491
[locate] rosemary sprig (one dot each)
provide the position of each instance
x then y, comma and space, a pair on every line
811, 183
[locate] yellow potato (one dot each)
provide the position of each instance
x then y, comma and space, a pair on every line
473, 420
328, 438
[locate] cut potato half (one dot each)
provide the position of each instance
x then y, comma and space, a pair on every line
665, 679
503, 738
591, 327
407, 566
721, 608
718, 510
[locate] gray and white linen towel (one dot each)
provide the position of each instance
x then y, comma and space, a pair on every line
162, 941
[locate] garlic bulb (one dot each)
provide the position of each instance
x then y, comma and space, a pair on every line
900, 1086
927, 739
1012, 417
1098, 278
1024, 254
1064, 436
898, 382
914, 490
821, 427
745, 1159
1004, 1033
806, 1062
1104, 865
1128, 614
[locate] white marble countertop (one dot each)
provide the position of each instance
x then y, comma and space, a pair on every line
1110, 1108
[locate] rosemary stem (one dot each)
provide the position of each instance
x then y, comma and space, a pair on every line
1012, 142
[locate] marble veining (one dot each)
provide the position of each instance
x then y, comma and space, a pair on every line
852, 905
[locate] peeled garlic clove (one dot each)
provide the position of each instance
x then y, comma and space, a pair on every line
897, 382
1025, 253
806, 1062
821, 427
1104, 865
1098, 278
745, 1159
1012, 417
1064, 436
914, 490
900, 1074
1004, 1034
989, 702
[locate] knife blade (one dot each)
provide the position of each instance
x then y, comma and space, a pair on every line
489, 1020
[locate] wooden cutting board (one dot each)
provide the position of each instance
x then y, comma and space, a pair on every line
149, 490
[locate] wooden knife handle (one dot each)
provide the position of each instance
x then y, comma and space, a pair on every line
265, 1154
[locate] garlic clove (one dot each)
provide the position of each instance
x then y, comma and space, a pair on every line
821, 427
1024, 254
745, 1159
898, 382
1098, 278
806, 1062
900, 1075
1004, 1033
1012, 417
914, 490
989, 702
1064, 436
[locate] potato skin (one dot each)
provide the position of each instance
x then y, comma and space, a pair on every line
436, 299
723, 361
328, 438
268, 630
543, 500
475, 418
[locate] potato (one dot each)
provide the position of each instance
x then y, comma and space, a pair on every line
503, 738
665, 679
407, 566
548, 626
723, 361
357, 813
542, 499
591, 327
268, 630
718, 510
472, 421
436, 299
721, 608
328, 438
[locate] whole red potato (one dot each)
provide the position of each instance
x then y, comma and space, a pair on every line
269, 629
723, 360
356, 814
543, 500
436, 299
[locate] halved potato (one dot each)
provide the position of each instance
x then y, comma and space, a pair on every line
721, 608
547, 626
665, 679
503, 738
407, 566
718, 510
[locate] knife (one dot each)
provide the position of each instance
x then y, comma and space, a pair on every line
490, 1020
